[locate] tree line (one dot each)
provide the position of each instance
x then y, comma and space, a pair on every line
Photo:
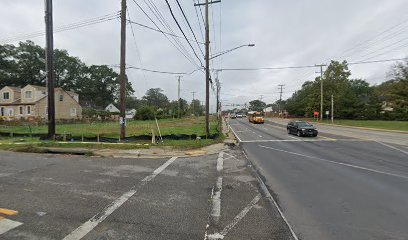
353, 98
97, 85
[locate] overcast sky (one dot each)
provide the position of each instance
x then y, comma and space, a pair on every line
286, 33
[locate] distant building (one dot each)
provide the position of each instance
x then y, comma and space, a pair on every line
31, 102
112, 108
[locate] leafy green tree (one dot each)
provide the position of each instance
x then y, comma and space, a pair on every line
257, 105
145, 113
196, 107
154, 97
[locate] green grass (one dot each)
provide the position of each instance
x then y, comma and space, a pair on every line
187, 126
380, 124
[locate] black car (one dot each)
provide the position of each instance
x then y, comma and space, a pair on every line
301, 128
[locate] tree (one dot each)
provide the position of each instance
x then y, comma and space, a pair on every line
154, 97
196, 107
257, 105
145, 113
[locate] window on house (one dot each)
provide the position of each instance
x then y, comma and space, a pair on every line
61, 98
6, 95
28, 94
28, 109
73, 112
20, 109
2, 111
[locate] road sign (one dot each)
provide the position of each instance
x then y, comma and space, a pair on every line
327, 112
316, 113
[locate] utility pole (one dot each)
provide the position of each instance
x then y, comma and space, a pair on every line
178, 99
122, 74
193, 102
280, 97
321, 90
332, 109
207, 66
50, 68
218, 94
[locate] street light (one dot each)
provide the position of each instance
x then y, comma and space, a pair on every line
232, 49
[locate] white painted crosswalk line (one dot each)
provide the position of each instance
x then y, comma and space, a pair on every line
7, 225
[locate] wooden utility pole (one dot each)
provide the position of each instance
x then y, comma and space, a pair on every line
321, 90
178, 99
50, 68
218, 94
332, 109
207, 66
122, 74
193, 102
280, 97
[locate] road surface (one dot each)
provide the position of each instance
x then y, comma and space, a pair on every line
332, 186
69, 197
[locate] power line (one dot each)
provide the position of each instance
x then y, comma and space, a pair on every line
71, 26
156, 12
374, 37
160, 71
191, 29
178, 25
178, 48
306, 66
160, 31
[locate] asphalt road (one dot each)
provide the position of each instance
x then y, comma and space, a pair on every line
332, 186
69, 197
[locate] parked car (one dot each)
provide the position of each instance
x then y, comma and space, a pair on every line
239, 115
301, 128
233, 116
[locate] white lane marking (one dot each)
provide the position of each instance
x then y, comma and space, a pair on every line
302, 140
268, 195
7, 225
216, 196
236, 220
220, 162
236, 135
85, 228
338, 163
392, 147
216, 201
260, 136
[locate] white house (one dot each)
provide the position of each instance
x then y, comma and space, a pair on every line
112, 108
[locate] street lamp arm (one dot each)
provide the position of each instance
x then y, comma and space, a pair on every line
230, 50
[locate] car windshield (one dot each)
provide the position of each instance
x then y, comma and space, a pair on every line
304, 124
259, 115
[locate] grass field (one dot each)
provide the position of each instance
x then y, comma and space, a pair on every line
388, 125
187, 126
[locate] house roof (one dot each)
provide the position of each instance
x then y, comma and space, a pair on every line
16, 89
37, 87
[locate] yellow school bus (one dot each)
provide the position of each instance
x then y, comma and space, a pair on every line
255, 117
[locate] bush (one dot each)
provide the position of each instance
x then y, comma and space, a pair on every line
145, 113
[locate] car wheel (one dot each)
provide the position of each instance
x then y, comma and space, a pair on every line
288, 130
315, 135
299, 134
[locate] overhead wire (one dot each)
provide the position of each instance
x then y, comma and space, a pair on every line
156, 12
191, 29
181, 29
177, 47
71, 26
159, 31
